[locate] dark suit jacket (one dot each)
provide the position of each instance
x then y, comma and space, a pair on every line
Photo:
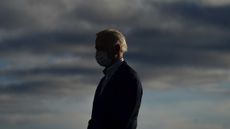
118, 105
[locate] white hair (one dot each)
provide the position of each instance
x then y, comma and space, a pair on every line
116, 36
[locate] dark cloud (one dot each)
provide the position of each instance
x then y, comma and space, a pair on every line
166, 48
106, 14
45, 41
151, 44
28, 87
10, 13
54, 70
200, 14
51, 80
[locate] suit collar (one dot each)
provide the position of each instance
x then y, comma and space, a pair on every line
113, 67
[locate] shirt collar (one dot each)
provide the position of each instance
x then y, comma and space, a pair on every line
113, 67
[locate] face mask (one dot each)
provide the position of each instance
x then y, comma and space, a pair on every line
103, 59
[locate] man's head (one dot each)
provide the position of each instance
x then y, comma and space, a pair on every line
110, 46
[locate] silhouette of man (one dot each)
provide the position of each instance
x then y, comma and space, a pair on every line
118, 96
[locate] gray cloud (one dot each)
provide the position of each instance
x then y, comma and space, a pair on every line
217, 16
11, 12
157, 47
44, 42
47, 65
160, 34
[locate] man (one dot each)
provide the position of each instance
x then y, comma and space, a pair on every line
118, 96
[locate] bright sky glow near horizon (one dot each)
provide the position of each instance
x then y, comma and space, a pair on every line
180, 48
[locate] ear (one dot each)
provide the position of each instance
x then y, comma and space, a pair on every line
117, 48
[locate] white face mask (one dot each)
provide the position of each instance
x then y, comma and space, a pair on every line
103, 58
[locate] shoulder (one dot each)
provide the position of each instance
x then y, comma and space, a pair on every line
125, 71
128, 79
125, 67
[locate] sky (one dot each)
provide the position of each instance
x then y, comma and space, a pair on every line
180, 49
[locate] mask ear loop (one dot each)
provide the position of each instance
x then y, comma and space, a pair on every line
117, 43
118, 49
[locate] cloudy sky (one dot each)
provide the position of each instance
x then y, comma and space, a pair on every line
180, 48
